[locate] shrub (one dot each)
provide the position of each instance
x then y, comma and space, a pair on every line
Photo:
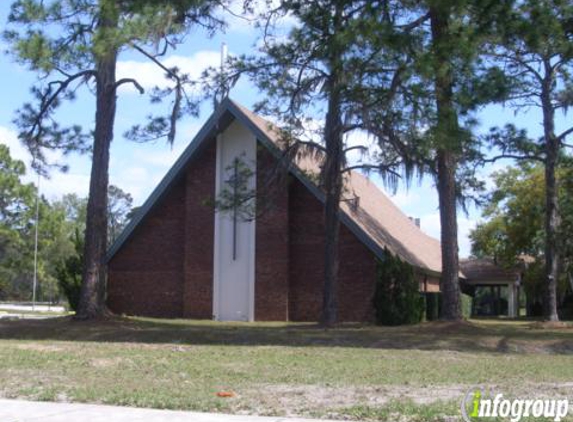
467, 302
433, 302
69, 273
397, 299
434, 306
565, 309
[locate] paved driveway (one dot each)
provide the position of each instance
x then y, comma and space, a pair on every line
25, 411
27, 307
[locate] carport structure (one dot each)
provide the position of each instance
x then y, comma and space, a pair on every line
495, 289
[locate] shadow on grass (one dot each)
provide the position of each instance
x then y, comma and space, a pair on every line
477, 336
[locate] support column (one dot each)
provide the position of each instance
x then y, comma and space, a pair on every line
511, 301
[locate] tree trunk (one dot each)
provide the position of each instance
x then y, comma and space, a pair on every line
447, 133
331, 176
92, 295
450, 283
552, 216
332, 182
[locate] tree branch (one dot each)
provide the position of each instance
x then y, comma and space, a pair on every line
178, 92
157, 62
310, 144
362, 147
48, 99
415, 23
520, 62
564, 134
381, 168
130, 81
512, 156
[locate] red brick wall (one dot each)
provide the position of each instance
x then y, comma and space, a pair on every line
428, 283
166, 268
199, 235
145, 277
272, 237
357, 264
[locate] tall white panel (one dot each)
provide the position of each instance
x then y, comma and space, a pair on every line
234, 254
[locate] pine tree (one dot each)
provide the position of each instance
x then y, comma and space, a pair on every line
308, 77
534, 48
76, 43
432, 49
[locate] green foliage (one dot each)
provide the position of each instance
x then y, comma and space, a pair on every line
533, 285
16, 219
64, 40
119, 208
61, 224
397, 298
69, 272
237, 198
467, 302
318, 64
533, 47
514, 225
432, 302
514, 211
73, 46
419, 59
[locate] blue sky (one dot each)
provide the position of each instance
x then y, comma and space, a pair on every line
137, 168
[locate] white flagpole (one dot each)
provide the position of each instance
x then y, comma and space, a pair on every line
35, 284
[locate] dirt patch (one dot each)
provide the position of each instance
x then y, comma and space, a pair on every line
297, 400
551, 325
39, 347
106, 362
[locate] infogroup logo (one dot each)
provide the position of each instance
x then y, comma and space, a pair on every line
477, 404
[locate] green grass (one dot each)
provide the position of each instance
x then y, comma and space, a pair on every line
395, 410
359, 372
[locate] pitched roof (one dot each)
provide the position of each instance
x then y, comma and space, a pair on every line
372, 217
485, 269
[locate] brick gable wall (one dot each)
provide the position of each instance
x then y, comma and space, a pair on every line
145, 277
272, 242
357, 271
199, 235
166, 268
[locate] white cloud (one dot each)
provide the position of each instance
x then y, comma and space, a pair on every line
17, 150
58, 183
243, 21
135, 180
361, 156
161, 159
430, 224
149, 75
62, 183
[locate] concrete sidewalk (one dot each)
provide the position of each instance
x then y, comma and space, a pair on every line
24, 411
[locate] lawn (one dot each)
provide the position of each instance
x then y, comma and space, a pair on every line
353, 372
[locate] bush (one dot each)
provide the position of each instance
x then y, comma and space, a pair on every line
565, 309
433, 302
69, 273
397, 298
467, 302
434, 306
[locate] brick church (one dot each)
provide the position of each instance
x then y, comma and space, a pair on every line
182, 257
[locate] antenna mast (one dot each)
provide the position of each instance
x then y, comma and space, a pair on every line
222, 89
